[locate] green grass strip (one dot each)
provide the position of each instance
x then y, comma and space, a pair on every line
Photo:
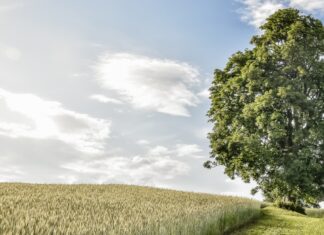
277, 221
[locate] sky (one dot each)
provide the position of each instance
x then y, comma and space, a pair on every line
116, 91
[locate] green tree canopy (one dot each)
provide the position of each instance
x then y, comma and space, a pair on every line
267, 107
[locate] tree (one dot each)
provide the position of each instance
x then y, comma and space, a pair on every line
267, 108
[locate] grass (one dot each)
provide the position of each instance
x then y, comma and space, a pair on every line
317, 213
276, 221
118, 209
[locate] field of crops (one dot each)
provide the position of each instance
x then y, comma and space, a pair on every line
118, 209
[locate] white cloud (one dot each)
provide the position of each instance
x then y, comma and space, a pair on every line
188, 150
159, 150
204, 93
105, 99
10, 52
202, 132
143, 142
154, 84
10, 173
255, 12
239, 189
322, 204
11, 5
157, 164
308, 5
180, 150
27, 115
148, 170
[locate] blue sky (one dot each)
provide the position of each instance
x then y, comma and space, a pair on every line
116, 91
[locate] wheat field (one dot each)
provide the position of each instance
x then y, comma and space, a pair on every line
118, 209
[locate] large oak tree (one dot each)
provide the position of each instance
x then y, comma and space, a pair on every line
267, 107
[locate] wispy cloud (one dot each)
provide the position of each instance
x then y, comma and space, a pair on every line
9, 173
10, 5
10, 52
164, 86
104, 99
188, 150
27, 115
179, 150
255, 12
143, 142
308, 5
156, 164
146, 169
204, 93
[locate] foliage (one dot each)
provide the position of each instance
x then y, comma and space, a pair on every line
267, 107
291, 206
118, 209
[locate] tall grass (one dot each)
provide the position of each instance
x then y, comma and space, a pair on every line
316, 213
118, 209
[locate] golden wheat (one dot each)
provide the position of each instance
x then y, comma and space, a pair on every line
118, 209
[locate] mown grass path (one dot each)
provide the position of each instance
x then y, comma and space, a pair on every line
277, 221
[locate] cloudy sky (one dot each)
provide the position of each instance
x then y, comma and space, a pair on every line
115, 91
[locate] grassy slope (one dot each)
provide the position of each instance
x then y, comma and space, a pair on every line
317, 213
118, 209
277, 221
